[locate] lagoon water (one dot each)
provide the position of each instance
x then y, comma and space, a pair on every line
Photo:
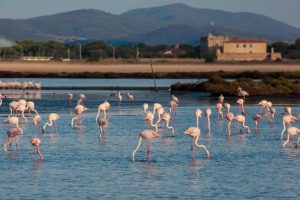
80, 165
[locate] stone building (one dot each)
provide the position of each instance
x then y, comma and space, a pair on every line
210, 44
236, 49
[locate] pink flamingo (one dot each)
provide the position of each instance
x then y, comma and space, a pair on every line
221, 99
208, 114
219, 107
30, 106
103, 108
256, 119
15, 122
51, 120
229, 116
82, 97
36, 120
70, 96
149, 117
119, 97
160, 111
147, 135
145, 108
173, 106
240, 102
174, 98
36, 142
11, 135
130, 97
195, 133
155, 107
292, 131
79, 109
242, 119
166, 118
198, 114
286, 120
242, 93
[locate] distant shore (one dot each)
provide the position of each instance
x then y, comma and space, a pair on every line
76, 68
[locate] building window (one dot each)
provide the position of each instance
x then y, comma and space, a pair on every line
250, 45
244, 45
237, 46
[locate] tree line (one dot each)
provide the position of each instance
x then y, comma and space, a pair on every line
98, 50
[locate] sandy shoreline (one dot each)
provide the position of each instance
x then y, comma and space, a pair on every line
77, 67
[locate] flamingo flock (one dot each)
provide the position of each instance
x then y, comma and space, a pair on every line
159, 120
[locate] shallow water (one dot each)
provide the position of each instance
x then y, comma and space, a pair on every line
80, 165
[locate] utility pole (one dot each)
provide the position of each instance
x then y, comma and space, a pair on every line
80, 55
68, 53
153, 75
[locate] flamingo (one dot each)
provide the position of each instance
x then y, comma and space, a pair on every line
173, 106
21, 110
147, 135
155, 107
102, 123
229, 116
103, 108
198, 114
242, 93
208, 114
31, 107
174, 98
149, 117
166, 118
70, 96
242, 119
221, 99
51, 120
286, 120
130, 97
36, 142
240, 102
219, 107
292, 131
15, 122
257, 118
119, 97
82, 97
160, 111
145, 108
13, 106
79, 109
227, 107
195, 133
11, 135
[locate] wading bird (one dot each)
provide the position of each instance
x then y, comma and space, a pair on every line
292, 131
51, 120
36, 142
147, 135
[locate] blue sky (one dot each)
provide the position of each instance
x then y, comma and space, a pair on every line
283, 10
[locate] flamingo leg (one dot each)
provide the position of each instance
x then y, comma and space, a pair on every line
149, 149
288, 139
192, 148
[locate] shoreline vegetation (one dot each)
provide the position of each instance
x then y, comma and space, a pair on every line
268, 86
158, 75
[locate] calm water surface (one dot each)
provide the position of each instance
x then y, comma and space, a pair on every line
80, 165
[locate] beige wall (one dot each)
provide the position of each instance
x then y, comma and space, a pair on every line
249, 48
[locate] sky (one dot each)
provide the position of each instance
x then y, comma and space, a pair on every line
283, 10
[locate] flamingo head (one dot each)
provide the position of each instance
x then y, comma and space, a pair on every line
155, 134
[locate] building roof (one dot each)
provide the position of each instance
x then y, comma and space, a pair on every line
247, 40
